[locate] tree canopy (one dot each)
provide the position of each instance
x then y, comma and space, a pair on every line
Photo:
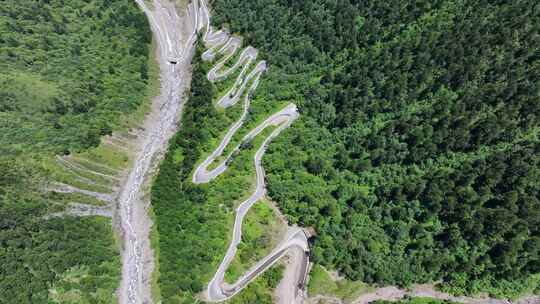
416, 155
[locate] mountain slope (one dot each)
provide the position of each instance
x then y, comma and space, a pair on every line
416, 155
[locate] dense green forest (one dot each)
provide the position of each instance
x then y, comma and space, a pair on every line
69, 70
416, 158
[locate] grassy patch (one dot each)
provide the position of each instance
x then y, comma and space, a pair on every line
321, 283
106, 155
223, 86
32, 92
62, 175
66, 198
261, 232
93, 166
234, 58
260, 291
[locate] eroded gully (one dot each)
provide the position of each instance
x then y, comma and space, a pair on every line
174, 33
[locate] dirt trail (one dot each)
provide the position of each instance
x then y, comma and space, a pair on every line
287, 291
392, 293
82, 210
65, 188
175, 34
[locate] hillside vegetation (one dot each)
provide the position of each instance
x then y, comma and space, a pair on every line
70, 71
416, 158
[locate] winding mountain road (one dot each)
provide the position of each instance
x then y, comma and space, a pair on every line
176, 35
219, 42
